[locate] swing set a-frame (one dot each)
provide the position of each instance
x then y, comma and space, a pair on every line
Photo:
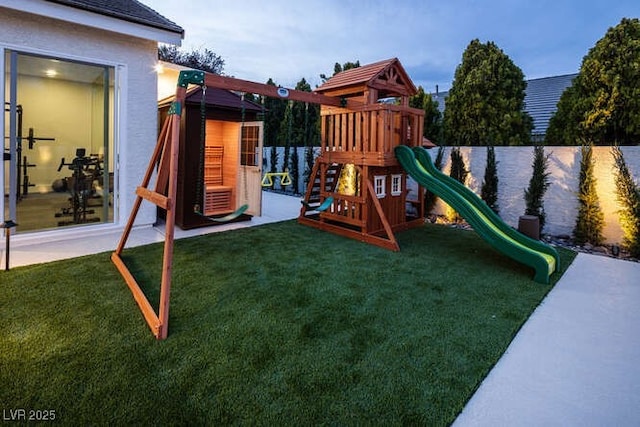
346, 191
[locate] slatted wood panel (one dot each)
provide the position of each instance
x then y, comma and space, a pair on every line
213, 166
376, 129
217, 200
217, 197
345, 209
225, 134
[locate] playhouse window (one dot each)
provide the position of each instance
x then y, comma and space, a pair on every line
249, 145
396, 184
380, 186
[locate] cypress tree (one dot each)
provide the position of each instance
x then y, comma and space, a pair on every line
284, 137
628, 195
430, 198
294, 170
590, 220
309, 159
538, 184
489, 189
458, 172
273, 165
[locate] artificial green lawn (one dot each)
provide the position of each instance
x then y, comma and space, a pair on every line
273, 325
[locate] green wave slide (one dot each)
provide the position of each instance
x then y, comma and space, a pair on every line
541, 257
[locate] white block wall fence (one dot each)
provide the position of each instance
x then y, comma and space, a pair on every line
514, 173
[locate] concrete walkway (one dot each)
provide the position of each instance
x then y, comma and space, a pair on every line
26, 250
575, 362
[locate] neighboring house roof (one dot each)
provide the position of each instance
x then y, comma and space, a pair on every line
128, 10
540, 100
388, 77
441, 98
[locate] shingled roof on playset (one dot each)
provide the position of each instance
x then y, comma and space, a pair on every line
367, 75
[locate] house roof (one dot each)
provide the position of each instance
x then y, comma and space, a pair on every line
388, 76
127, 10
541, 99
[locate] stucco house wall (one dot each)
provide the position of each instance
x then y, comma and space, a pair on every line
136, 86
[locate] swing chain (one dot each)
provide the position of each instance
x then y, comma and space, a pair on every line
197, 207
243, 147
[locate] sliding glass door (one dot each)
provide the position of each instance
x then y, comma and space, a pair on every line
58, 145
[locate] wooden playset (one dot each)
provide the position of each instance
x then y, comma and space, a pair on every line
357, 188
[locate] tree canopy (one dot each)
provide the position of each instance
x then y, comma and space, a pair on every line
485, 105
204, 60
274, 116
337, 68
306, 118
603, 105
432, 117
303, 118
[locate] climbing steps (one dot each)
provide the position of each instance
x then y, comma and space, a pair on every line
315, 189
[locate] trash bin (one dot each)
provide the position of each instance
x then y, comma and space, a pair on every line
529, 225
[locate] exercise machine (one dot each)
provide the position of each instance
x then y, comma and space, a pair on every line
22, 163
86, 170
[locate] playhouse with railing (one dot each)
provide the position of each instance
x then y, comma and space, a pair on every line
357, 188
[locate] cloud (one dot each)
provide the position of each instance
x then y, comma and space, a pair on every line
288, 39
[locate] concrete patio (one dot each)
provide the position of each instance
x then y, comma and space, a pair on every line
26, 250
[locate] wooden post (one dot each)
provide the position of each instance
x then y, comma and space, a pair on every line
167, 262
166, 155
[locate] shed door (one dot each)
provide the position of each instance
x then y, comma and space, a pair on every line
250, 189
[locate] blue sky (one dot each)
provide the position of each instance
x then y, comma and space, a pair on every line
290, 39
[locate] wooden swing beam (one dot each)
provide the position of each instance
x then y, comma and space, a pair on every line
230, 83
163, 195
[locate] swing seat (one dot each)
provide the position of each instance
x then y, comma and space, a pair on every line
226, 218
231, 216
323, 206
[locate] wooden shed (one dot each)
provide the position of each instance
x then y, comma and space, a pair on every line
232, 155
357, 170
